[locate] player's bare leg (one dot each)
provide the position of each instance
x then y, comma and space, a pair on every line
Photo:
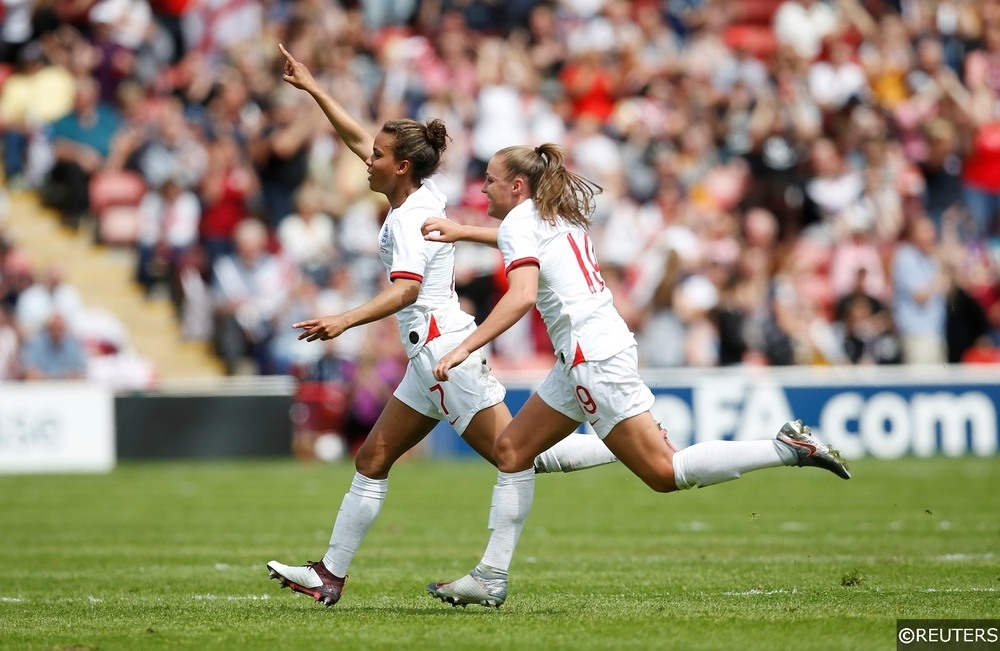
396, 431
536, 428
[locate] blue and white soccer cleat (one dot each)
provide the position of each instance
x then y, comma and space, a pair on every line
810, 451
473, 588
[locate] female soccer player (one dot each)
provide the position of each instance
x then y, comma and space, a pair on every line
400, 158
551, 264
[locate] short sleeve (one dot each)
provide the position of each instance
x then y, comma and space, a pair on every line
411, 252
518, 240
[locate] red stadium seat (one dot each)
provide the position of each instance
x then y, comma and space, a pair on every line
755, 12
114, 202
758, 40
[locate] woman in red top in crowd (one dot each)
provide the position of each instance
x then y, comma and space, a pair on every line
590, 84
226, 192
981, 174
981, 178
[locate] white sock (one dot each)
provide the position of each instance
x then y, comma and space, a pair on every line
358, 511
575, 452
713, 462
512, 497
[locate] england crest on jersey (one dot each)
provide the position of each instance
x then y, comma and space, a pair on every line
383, 240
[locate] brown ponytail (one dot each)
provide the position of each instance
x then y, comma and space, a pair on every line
556, 191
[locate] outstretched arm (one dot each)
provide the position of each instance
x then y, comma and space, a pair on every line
439, 229
514, 304
352, 132
401, 293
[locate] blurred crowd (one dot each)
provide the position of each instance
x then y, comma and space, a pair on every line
784, 181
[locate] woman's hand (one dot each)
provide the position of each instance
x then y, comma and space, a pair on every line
440, 229
296, 73
448, 362
325, 328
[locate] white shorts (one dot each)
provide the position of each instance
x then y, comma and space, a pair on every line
604, 392
470, 389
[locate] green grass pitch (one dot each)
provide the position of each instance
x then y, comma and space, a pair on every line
172, 555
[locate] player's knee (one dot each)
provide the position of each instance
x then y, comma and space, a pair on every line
371, 465
508, 458
663, 481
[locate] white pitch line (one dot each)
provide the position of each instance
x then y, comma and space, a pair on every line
965, 557
231, 597
756, 592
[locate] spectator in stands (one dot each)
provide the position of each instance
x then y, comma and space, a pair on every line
802, 25
18, 275
227, 191
882, 198
169, 15
801, 301
167, 234
545, 42
387, 13
123, 32
167, 148
307, 235
784, 122
967, 325
920, 298
10, 346
942, 169
53, 353
339, 293
837, 79
981, 173
864, 325
16, 29
833, 187
37, 94
591, 82
51, 293
865, 337
981, 67
81, 142
855, 251
500, 119
887, 56
280, 153
289, 354
248, 288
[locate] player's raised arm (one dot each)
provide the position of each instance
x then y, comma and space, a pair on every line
350, 130
439, 229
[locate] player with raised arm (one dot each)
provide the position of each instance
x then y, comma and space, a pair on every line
550, 261
400, 159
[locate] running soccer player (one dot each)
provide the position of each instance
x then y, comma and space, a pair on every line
550, 261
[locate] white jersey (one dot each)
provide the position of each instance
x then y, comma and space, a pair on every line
575, 304
406, 254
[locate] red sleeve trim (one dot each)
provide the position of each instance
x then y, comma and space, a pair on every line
406, 275
520, 262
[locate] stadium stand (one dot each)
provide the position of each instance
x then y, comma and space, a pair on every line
136, 340
751, 152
